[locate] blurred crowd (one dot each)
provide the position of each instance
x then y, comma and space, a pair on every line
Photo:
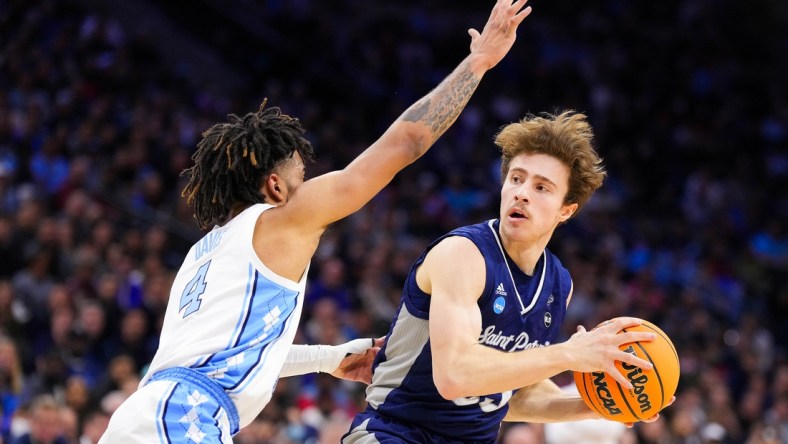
687, 99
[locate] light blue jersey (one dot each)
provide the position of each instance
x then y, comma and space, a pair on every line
518, 312
227, 330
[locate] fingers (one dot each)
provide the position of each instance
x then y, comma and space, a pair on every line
517, 19
495, 11
356, 346
522, 14
622, 322
621, 379
633, 360
635, 336
652, 419
473, 33
513, 14
580, 330
516, 14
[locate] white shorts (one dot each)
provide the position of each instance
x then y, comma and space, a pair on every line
176, 407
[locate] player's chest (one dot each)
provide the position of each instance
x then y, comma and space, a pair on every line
511, 323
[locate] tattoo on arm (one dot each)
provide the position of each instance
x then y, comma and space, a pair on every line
440, 109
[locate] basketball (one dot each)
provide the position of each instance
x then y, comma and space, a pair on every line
652, 389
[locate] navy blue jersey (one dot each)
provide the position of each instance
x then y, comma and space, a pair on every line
518, 312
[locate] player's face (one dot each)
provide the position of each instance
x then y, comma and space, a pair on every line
532, 197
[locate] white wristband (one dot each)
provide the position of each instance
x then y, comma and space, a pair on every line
303, 359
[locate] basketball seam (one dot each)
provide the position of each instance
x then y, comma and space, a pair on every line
656, 372
661, 386
624, 398
665, 337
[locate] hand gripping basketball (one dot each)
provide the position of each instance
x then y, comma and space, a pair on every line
652, 390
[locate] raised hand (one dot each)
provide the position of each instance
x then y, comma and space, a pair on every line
500, 31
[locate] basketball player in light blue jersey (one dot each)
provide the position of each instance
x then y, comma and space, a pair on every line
236, 300
473, 342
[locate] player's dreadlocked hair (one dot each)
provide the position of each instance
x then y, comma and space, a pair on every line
233, 157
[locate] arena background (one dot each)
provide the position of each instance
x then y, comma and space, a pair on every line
102, 103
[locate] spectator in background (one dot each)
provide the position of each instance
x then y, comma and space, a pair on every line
332, 430
12, 313
11, 384
93, 426
523, 434
9, 247
70, 424
33, 285
46, 423
135, 339
330, 283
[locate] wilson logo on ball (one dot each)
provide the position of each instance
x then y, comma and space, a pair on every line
639, 381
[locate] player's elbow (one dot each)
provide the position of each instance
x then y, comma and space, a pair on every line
450, 384
412, 141
448, 389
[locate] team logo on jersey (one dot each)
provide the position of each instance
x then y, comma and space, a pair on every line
499, 304
548, 319
500, 290
550, 299
493, 337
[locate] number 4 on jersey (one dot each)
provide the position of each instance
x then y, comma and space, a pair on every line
190, 298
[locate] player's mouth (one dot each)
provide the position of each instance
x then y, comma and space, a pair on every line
518, 214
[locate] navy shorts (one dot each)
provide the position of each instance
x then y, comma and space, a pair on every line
372, 428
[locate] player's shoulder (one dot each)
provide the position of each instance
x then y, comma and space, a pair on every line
454, 247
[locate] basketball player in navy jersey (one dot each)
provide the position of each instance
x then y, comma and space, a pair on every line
473, 341
236, 300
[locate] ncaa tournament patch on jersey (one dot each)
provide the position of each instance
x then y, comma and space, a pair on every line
499, 304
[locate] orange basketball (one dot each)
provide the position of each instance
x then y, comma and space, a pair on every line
652, 389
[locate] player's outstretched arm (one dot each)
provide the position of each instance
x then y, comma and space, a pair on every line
330, 197
351, 360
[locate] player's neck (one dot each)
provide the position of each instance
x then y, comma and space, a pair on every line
525, 254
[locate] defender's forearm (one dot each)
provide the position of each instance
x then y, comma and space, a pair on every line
434, 113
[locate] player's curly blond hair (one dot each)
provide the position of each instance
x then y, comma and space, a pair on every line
568, 137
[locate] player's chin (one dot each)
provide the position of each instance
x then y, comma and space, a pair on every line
518, 229
516, 225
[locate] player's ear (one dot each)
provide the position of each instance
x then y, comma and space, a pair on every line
566, 212
273, 189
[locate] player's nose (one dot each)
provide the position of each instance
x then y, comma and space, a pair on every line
521, 193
